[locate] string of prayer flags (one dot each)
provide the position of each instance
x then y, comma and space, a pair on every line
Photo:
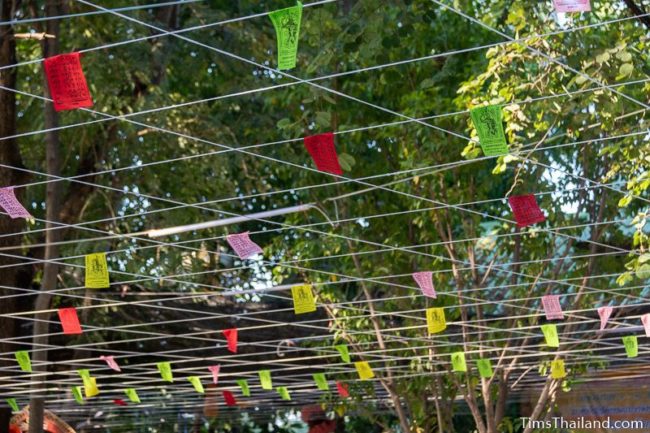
436, 320
69, 321
90, 387
67, 83
550, 334
343, 350
525, 210
83, 373
572, 5
604, 313
265, 379
425, 282
364, 370
243, 246
229, 398
342, 389
231, 338
76, 393
165, 369
196, 383
119, 402
24, 362
303, 299
323, 152
132, 394
287, 29
13, 405
552, 307
321, 381
245, 389
484, 368
488, 122
110, 361
97, 271
11, 205
645, 319
284, 392
214, 369
631, 346
458, 362
557, 369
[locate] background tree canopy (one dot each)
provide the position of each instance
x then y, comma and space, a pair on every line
197, 124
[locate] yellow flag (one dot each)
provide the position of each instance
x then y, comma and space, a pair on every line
97, 271
364, 370
557, 369
90, 387
303, 299
436, 320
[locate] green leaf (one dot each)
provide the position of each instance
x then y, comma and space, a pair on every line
284, 123
346, 161
643, 272
626, 69
323, 119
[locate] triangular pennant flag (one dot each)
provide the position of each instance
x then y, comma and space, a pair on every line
557, 369
604, 313
425, 282
323, 152
552, 307
84, 373
287, 30
119, 402
572, 5
245, 389
458, 362
488, 122
132, 394
342, 388
69, 321
231, 337
11, 205
25, 363
321, 381
525, 210
343, 350
243, 246
90, 387
364, 370
645, 319
303, 299
196, 383
284, 392
484, 368
13, 405
165, 369
97, 271
76, 393
110, 361
550, 335
631, 346
229, 398
436, 320
265, 379
67, 83
214, 369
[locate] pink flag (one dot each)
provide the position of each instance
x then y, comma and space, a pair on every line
552, 307
110, 360
425, 281
230, 399
526, 210
645, 319
11, 205
572, 5
604, 313
215, 372
231, 336
69, 321
342, 389
242, 245
322, 151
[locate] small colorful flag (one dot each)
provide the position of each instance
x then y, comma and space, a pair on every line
604, 313
90, 387
436, 320
214, 369
425, 281
67, 83
132, 394
323, 152
69, 321
572, 5
265, 379
196, 383
243, 246
119, 402
11, 205
76, 393
284, 392
631, 346
321, 381
231, 337
550, 334
484, 367
557, 369
343, 350
303, 299
342, 388
526, 210
645, 319
364, 370
13, 405
110, 361
245, 389
97, 271
22, 356
84, 373
229, 398
488, 122
165, 369
552, 307
287, 29
458, 363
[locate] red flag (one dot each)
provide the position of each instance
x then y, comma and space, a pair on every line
231, 336
120, 402
67, 83
230, 399
69, 321
526, 210
343, 389
322, 151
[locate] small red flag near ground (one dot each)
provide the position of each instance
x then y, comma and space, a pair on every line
322, 151
67, 83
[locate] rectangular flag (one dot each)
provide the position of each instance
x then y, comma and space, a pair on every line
132, 394
631, 346
572, 5
97, 271
436, 320
323, 152
550, 335
69, 321
425, 282
287, 30
196, 383
526, 210
231, 338
11, 205
458, 362
165, 369
343, 351
488, 122
364, 370
245, 389
22, 356
243, 246
321, 381
552, 307
90, 387
557, 369
265, 379
484, 368
303, 299
284, 392
67, 82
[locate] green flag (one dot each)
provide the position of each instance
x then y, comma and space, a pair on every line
196, 382
84, 374
458, 361
631, 346
132, 394
76, 393
484, 368
321, 382
165, 369
265, 379
243, 384
25, 363
287, 30
550, 334
12, 403
343, 350
488, 123
284, 392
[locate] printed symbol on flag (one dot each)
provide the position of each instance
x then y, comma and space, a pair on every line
604, 313
11, 205
97, 271
287, 28
572, 5
67, 83
243, 246
69, 321
303, 299
557, 369
364, 370
489, 126
323, 152
631, 346
436, 320
458, 362
425, 281
526, 210
552, 307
